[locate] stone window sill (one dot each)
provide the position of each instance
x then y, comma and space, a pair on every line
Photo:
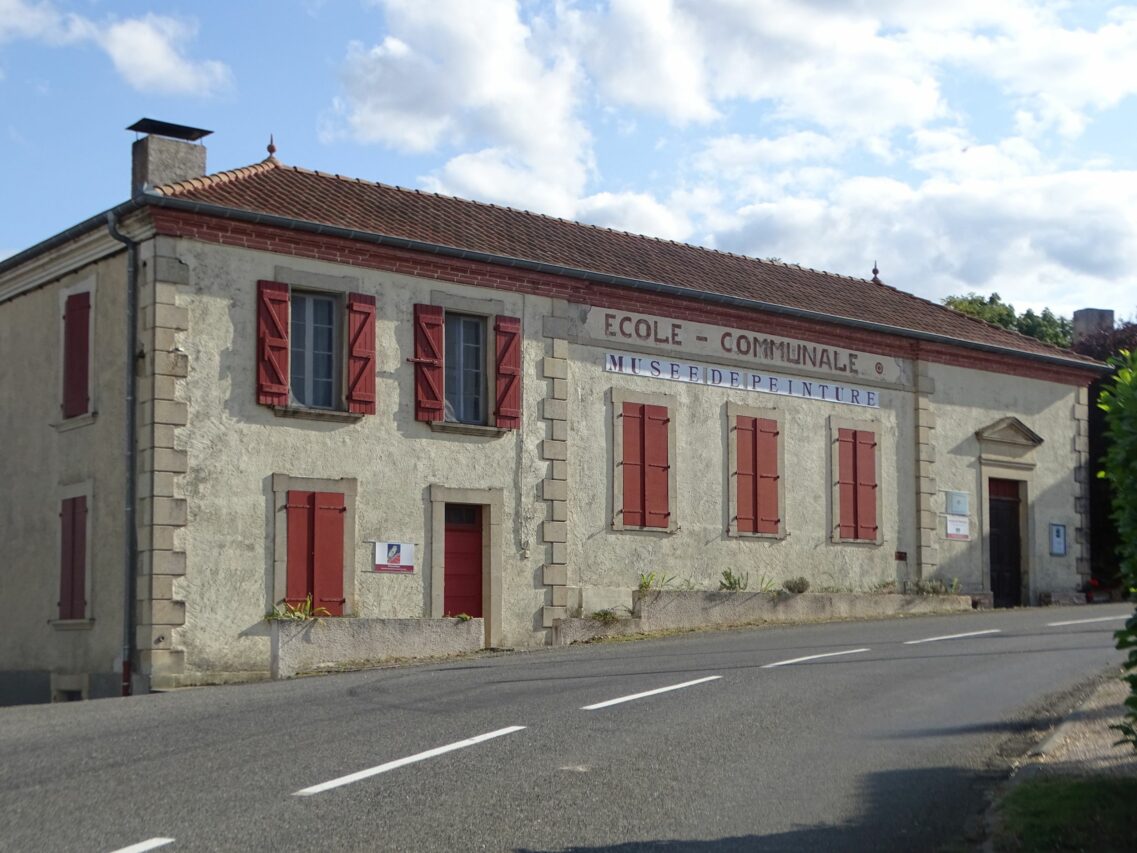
72, 624
776, 537
75, 422
311, 414
467, 429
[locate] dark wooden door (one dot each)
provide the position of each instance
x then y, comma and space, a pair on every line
1006, 544
462, 591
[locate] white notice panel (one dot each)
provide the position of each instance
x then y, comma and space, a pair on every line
958, 527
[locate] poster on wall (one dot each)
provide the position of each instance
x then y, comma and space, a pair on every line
395, 557
958, 527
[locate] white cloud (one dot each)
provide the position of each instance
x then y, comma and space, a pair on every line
472, 75
953, 153
20, 19
1066, 240
639, 213
818, 132
649, 53
147, 52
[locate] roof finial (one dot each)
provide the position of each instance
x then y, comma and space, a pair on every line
875, 274
271, 146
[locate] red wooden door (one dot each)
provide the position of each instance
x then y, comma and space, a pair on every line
463, 577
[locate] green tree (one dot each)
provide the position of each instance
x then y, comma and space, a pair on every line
1046, 326
990, 308
1119, 402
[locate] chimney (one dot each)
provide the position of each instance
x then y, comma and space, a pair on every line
1088, 321
166, 154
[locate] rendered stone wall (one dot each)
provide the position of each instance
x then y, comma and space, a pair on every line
966, 401
332, 644
606, 563
42, 459
234, 446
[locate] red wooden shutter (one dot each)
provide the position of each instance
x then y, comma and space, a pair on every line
298, 585
866, 484
746, 473
73, 559
272, 343
633, 465
766, 459
507, 412
429, 405
361, 353
76, 354
327, 552
846, 483
657, 512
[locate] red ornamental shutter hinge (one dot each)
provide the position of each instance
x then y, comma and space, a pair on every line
507, 409
272, 343
361, 353
428, 363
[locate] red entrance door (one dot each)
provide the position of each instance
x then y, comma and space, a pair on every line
462, 591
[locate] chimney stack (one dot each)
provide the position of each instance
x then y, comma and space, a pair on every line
1088, 321
166, 154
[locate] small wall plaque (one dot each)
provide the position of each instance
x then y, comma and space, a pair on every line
1058, 540
395, 557
956, 503
957, 527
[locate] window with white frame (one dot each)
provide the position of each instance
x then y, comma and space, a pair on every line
465, 380
314, 335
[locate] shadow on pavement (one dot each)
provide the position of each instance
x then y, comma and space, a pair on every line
901, 810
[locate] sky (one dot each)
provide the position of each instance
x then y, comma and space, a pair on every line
968, 146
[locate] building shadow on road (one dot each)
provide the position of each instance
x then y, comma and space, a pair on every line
902, 810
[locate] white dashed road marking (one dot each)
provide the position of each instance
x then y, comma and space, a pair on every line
953, 637
402, 762
815, 657
1085, 621
143, 846
649, 693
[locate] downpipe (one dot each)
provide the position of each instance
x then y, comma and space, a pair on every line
130, 561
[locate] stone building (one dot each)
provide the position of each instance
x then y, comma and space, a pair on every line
251, 387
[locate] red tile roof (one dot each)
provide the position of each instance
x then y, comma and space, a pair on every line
293, 193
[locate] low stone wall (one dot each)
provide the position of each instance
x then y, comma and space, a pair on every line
579, 630
331, 644
661, 610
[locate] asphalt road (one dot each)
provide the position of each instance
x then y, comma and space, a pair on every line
877, 743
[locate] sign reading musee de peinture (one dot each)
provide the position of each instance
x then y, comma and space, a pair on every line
746, 380
684, 338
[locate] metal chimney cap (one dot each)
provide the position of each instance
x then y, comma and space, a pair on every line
165, 128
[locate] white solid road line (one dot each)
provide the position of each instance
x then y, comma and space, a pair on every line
952, 637
1086, 621
814, 657
402, 762
649, 693
143, 846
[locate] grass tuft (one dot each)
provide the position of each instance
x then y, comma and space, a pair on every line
1076, 814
